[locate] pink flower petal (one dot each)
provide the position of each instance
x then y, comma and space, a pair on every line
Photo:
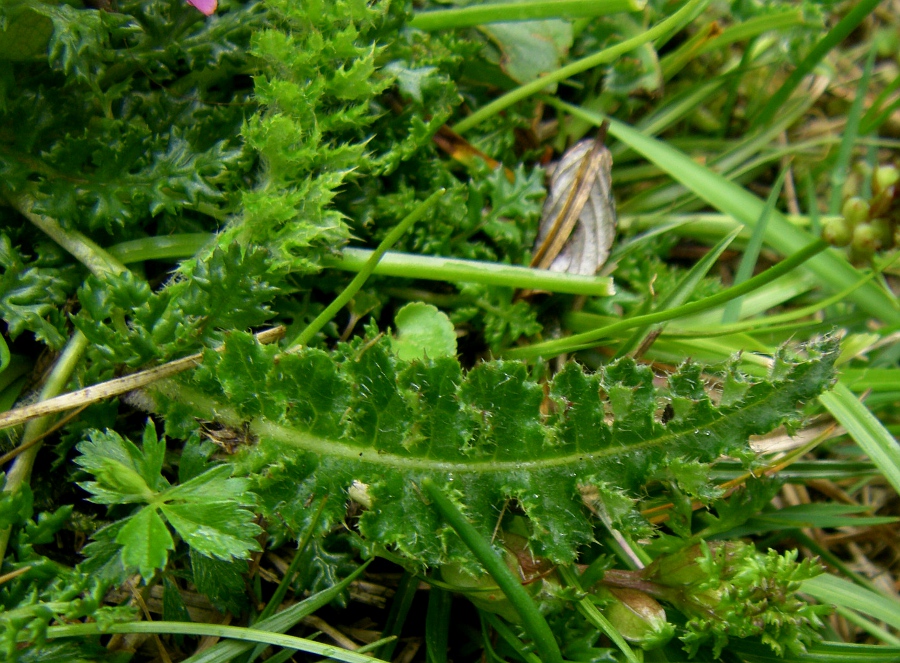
208, 7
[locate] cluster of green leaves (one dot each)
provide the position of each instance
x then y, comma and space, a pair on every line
727, 589
133, 116
34, 290
43, 589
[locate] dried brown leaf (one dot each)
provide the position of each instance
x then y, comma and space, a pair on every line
578, 223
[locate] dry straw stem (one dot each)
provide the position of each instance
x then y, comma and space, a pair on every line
122, 385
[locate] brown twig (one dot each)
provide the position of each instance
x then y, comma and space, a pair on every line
98, 392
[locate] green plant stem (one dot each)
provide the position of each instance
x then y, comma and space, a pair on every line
837, 34
353, 287
527, 10
20, 472
401, 265
603, 57
166, 247
588, 339
732, 311
592, 614
453, 270
99, 262
848, 139
532, 620
211, 630
83, 249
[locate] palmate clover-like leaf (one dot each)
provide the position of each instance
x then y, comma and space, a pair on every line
206, 511
363, 417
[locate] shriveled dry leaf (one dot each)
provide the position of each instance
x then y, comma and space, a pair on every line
578, 223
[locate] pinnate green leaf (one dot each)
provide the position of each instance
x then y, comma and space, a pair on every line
487, 436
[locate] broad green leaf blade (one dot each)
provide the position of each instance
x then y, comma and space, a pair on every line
869, 433
145, 542
783, 236
125, 473
532, 49
214, 485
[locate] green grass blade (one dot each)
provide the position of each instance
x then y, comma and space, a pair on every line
588, 339
732, 311
403, 598
247, 636
224, 652
682, 290
532, 620
848, 140
527, 10
837, 591
605, 56
437, 625
753, 27
871, 628
869, 433
783, 236
826, 652
837, 34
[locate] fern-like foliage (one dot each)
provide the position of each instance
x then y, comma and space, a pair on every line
493, 435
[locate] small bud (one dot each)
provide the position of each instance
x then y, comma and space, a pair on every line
837, 232
638, 617
883, 229
884, 177
359, 493
866, 239
855, 210
852, 184
480, 590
